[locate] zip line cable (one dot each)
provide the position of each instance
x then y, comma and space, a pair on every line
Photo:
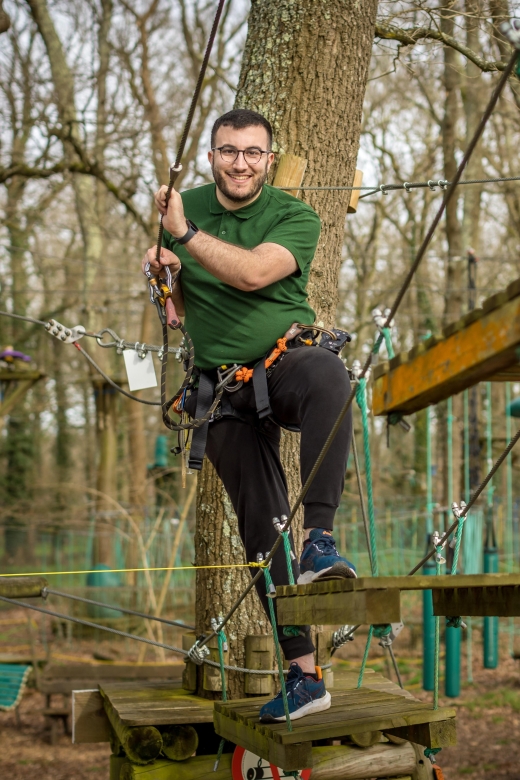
432, 184
49, 591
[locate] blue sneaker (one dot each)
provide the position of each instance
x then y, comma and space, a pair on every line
321, 560
305, 696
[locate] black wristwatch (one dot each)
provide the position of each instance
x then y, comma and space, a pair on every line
192, 229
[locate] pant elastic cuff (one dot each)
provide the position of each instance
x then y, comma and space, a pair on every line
319, 516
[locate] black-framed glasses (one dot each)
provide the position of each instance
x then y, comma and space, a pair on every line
229, 154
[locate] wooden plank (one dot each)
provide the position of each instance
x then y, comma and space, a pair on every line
259, 655
416, 582
89, 719
156, 704
474, 353
503, 601
288, 757
433, 735
111, 670
361, 607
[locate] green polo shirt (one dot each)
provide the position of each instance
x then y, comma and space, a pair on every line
228, 325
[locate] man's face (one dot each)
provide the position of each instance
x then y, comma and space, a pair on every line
240, 181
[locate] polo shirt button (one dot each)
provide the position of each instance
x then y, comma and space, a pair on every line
223, 232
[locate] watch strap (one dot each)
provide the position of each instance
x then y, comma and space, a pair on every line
192, 229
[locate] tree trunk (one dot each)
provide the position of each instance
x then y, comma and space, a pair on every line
305, 68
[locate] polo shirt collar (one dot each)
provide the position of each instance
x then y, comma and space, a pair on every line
244, 213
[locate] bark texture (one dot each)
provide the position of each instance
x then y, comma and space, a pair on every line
305, 68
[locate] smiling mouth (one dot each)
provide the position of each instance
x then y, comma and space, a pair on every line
239, 179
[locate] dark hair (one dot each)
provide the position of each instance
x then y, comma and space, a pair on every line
239, 118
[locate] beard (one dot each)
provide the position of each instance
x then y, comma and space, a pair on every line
257, 181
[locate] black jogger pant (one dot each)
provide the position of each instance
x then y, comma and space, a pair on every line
308, 388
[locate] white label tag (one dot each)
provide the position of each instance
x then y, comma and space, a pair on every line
140, 371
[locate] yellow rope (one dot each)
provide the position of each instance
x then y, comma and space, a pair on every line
118, 571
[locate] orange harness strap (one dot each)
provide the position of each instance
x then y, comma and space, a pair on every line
245, 374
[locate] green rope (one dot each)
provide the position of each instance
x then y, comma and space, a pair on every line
388, 343
431, 753
291, 631
382, 630
458, 540
269, 583
365, 657
219, 754
437, 640
287, 548
222, 643
361, 399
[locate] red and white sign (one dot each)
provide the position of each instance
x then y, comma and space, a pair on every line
247, 766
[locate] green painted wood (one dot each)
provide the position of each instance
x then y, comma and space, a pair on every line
116, 763
21, 587
355, 607
433, 735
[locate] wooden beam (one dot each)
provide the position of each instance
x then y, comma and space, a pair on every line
89, 719
23, 381
356, 607
22, 587
196, 768
354, 195
501, 601
483, 344
156, 704
402, 582
432, 735
296, 756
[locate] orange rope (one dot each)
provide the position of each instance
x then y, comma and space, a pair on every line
245, 374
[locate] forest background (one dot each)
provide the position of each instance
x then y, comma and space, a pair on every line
93, 97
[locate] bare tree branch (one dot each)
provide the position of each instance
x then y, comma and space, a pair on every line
412, 35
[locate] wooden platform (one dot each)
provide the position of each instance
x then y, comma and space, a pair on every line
156, 704
378, 706
373, 600
483, 345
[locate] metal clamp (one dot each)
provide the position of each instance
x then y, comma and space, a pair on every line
198, 653
279, 525
436, 541
460, 514
64, 334
215, 626
388, 639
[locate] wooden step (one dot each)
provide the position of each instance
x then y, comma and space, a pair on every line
156, 704
352, 711
375, 600
483, 345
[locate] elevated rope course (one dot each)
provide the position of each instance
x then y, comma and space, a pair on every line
449, 190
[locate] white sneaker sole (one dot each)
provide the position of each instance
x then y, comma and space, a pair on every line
335, 572
317, 705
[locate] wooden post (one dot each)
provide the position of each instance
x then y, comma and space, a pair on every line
22, 587
189, 675
212, 680
290, 172
116, 763
259, 655
354, 195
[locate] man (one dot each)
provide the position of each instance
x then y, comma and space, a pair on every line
246, 250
